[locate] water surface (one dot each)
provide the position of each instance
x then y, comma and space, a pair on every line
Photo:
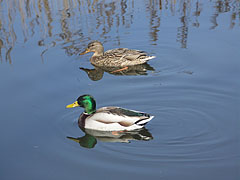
192, 88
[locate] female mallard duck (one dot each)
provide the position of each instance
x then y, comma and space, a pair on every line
108, 118
120, 57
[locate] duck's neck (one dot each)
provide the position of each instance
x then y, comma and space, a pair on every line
89, 111
89, 106
97, 54
99, 51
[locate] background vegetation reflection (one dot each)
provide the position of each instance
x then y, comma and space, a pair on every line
78, 20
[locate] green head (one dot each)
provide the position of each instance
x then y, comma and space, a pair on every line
87, 102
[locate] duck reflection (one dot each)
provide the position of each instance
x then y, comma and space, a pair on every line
96, 73
89, 140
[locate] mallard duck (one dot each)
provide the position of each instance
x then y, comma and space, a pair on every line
108, 118
120, 57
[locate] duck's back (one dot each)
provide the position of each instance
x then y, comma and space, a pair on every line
121, 57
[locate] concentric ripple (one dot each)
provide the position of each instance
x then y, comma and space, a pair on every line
186, 128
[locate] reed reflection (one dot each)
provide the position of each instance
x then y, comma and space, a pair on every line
183, 30
152, 8
97, 73
1, 46
58, 22
89, 140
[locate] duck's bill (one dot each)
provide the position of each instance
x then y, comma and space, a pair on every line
74, 139
85, 52
75, 104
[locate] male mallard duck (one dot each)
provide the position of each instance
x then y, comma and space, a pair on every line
120, 57
108, 118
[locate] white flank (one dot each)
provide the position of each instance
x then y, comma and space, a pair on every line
95, 125
111, 118
111, 122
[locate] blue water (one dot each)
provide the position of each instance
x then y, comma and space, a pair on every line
191, 87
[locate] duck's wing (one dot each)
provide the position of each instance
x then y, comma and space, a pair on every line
128, 54
122, 116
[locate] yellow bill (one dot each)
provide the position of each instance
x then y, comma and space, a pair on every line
85, 52
74, 139
75, 104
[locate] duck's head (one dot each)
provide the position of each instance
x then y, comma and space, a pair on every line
86, 101
94, 46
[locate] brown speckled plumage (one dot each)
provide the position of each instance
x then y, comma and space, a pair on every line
119, 57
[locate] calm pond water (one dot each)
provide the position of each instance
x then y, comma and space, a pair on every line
192, 88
